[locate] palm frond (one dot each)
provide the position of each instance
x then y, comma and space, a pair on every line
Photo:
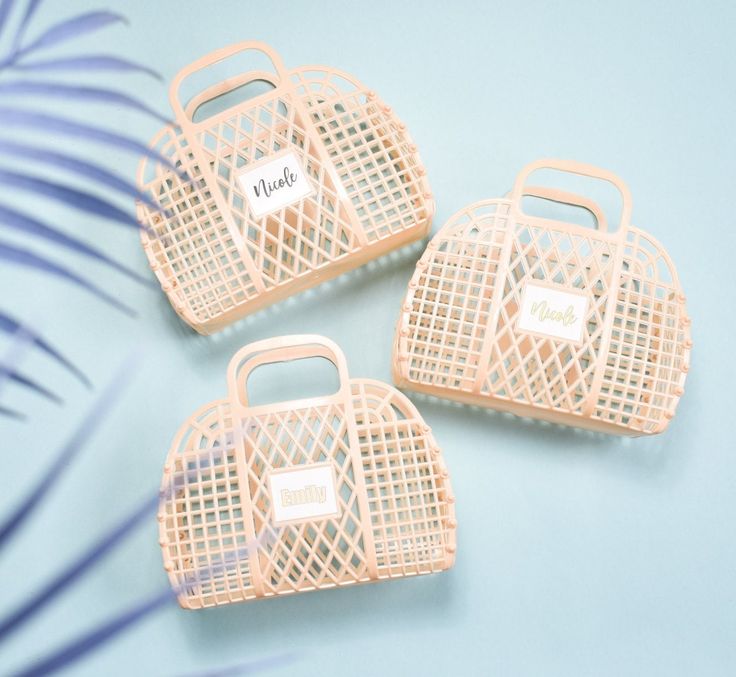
5, 7
67, 655
62, 31
94, 639
26, 224
77, 93
67, 453
69, 196
23, 59
91, 62
27, 382
12, 413
76, 569
20, 32
43, 122
74, 165
115, 536
10, 325
24, 257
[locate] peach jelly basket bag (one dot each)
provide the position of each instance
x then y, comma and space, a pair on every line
274, 499
548, 319
277, 193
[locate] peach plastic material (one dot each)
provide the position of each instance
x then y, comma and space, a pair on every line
274, 499
548, 319
218, 249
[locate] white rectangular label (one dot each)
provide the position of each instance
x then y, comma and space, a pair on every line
274, 183
299, 494
553, 312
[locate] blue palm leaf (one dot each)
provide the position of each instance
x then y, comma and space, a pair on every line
11, 326
43, 122
67, 576
65, 30
88, 170
49, 123
11, 413
72, 652
31, 226
92, 62
31, 8
63, 459
17, 377
69, 196
94, 639
97, 637
77, 93
27, 258
5, 8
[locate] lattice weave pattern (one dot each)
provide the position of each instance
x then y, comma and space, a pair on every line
216, 520
216, 259
458, 336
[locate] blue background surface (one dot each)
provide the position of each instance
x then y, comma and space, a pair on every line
578, 554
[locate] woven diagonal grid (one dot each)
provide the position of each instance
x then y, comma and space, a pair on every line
449, 309
370, 190
302, 556
203, 527
545, 371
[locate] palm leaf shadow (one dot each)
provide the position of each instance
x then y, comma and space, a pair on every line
96, 637
22, 58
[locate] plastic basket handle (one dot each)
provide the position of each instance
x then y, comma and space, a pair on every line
282, 349
581, 169
183, 115
563, 197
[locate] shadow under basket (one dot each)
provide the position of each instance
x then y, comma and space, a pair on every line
329, 491
545, 318
276, 193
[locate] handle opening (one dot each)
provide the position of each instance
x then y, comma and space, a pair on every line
291, 380
287, 349
221, 72
218, 98
552, 203
566, 190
